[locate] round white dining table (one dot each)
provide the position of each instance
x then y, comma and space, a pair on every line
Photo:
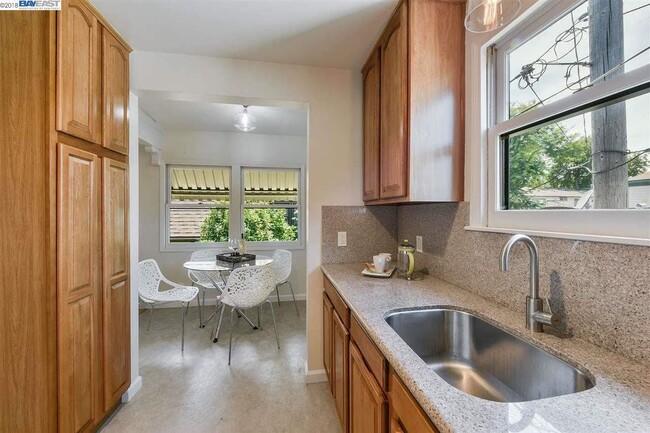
209, 267
221, 266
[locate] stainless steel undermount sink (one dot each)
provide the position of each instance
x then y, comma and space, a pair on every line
483, 360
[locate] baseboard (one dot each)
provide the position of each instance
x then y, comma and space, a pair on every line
133, 390
212, 301
315, 376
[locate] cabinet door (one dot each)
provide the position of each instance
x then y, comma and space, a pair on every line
371, 95
79, 290
116, 94
341, 340
367, 401
116, 314
395, 427
328, 309
393, 107
406, 415
78, 78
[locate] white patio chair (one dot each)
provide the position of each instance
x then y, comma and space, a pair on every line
249, 287
282, 268
150, 293
203, 281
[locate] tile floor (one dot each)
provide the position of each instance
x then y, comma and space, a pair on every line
197, 392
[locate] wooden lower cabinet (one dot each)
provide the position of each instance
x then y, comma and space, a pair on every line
395, 427
406, 415
340, 354
79, 294
368, 407
328, 310
369, 396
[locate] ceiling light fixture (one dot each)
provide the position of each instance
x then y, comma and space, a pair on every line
244, 121
487, 15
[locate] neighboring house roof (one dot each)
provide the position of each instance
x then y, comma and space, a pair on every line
186, 223
552, 192
642, 179
641, 176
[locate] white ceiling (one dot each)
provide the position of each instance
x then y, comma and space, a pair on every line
212, 116
328, 33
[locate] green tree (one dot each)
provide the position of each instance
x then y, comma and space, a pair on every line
268, 225
261, 225
543, 158
215, 227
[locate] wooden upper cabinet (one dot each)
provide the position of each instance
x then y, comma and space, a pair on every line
394, 96
371, 107
115, 93
116, 310
368, 406
421, 105
78, 75
79, 290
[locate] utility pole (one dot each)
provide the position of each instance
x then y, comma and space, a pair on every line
608, 129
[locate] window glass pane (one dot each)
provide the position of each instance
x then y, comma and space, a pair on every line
271, 187
198, 225
204, 185
264, 225
597, 160
558, 61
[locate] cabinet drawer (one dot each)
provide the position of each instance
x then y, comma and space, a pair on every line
375, 360
405, 408
339, 304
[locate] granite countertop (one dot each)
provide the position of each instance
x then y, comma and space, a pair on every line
619, 401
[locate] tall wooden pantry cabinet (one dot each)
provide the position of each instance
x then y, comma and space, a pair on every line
64, 235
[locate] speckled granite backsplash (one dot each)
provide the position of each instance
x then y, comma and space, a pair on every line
600, 290
371, 230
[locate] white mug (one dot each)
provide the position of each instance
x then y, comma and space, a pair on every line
387, 255
380, 263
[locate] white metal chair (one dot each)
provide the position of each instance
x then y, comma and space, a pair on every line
150, 293
204, 281
249, 287
282, 268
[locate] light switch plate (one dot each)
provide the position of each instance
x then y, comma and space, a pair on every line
418, 244
343, 239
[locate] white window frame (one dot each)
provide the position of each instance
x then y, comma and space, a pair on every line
269, 245
629, 226
236, 209
166, 244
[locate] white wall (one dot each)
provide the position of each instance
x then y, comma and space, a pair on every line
334, 96
134, 224
150, 131
203, 147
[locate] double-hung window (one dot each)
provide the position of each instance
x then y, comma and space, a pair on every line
197, 204
569, 135
205, 206
271, 205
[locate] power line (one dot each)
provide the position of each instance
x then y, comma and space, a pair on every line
637, 154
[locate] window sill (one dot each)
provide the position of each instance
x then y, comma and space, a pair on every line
190, 247
569, 236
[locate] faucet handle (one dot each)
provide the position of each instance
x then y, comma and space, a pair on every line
549, 318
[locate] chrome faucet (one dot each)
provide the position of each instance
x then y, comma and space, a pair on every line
535, 315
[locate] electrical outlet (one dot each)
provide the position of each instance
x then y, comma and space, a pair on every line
343, 239
418, 244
